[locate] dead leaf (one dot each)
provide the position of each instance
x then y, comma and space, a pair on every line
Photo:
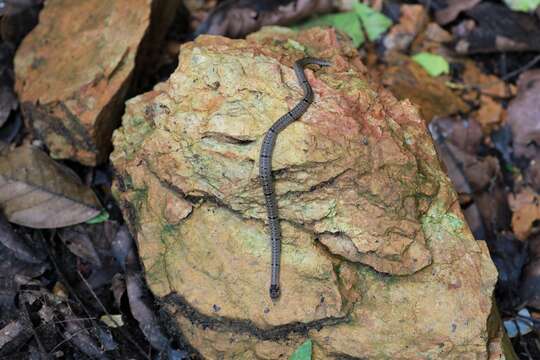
451, 12
465, 134
412, 20
37, 192
409, 80
93, 243
122, 245
476, 179
454, 169
19, 246
81, 337
532, 174
500, 29
490, 114
475, 221
12, 271
437, 34
432, 40
487, 84
21, 17
493, 205
78, 241
139, 301
478, 172
142, 312
523, 114
234, 18
11, 128
60, 290
525, 206
12, 7
509, 255
118, 287
529, 290
501, 140
8, 103
13, 335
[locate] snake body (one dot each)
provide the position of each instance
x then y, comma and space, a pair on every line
265, 166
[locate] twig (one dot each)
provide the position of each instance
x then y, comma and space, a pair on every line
524, 68
72, 335
119, 326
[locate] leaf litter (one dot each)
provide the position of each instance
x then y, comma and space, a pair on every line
37, 192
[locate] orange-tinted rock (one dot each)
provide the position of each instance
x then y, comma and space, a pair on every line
76, 67
377, 259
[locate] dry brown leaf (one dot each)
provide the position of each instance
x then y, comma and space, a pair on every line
432, 40
525, 207
238, 18
499, 29
532, 173
490, 113
37, 192
529, 289
8, 103
523, 115
476, 179
17, 244
412, 20
489, 85
450, 13
78, 241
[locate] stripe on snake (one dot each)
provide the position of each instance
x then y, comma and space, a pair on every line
265, 166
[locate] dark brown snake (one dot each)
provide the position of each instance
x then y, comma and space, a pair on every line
265, 166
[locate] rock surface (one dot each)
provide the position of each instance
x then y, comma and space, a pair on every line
76, 67
377, 259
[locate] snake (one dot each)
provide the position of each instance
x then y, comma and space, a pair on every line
265, 167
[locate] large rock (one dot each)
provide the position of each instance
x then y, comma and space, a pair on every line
74, 70
378, 261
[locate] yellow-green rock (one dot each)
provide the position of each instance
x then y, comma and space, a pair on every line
377, 261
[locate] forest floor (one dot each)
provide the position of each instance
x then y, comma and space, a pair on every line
473, 69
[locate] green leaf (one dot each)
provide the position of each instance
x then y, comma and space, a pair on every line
101, 217
434, 64
351, 23
347, 22
374, 22
303, 352
523, 5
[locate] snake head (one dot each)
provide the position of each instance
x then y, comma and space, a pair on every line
274, 292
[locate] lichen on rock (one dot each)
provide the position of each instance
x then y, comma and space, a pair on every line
377, 259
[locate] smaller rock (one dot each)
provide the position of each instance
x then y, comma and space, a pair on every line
74, 70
